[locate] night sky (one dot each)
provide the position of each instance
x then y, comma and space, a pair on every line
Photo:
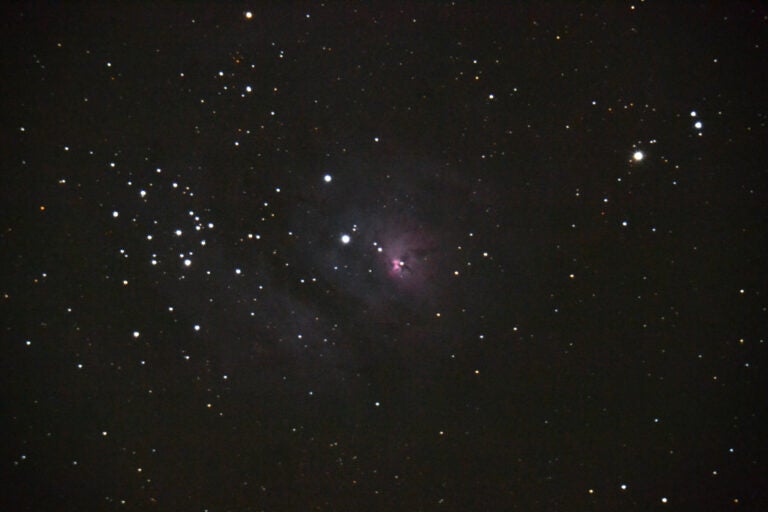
373, 257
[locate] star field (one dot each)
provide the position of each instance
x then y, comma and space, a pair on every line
387, 257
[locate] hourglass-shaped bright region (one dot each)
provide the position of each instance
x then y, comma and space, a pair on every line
408, 255
399, 267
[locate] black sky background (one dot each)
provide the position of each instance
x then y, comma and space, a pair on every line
572, 328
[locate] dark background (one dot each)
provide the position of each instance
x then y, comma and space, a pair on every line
571, 329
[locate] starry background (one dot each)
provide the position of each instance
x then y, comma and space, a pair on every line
417, 257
